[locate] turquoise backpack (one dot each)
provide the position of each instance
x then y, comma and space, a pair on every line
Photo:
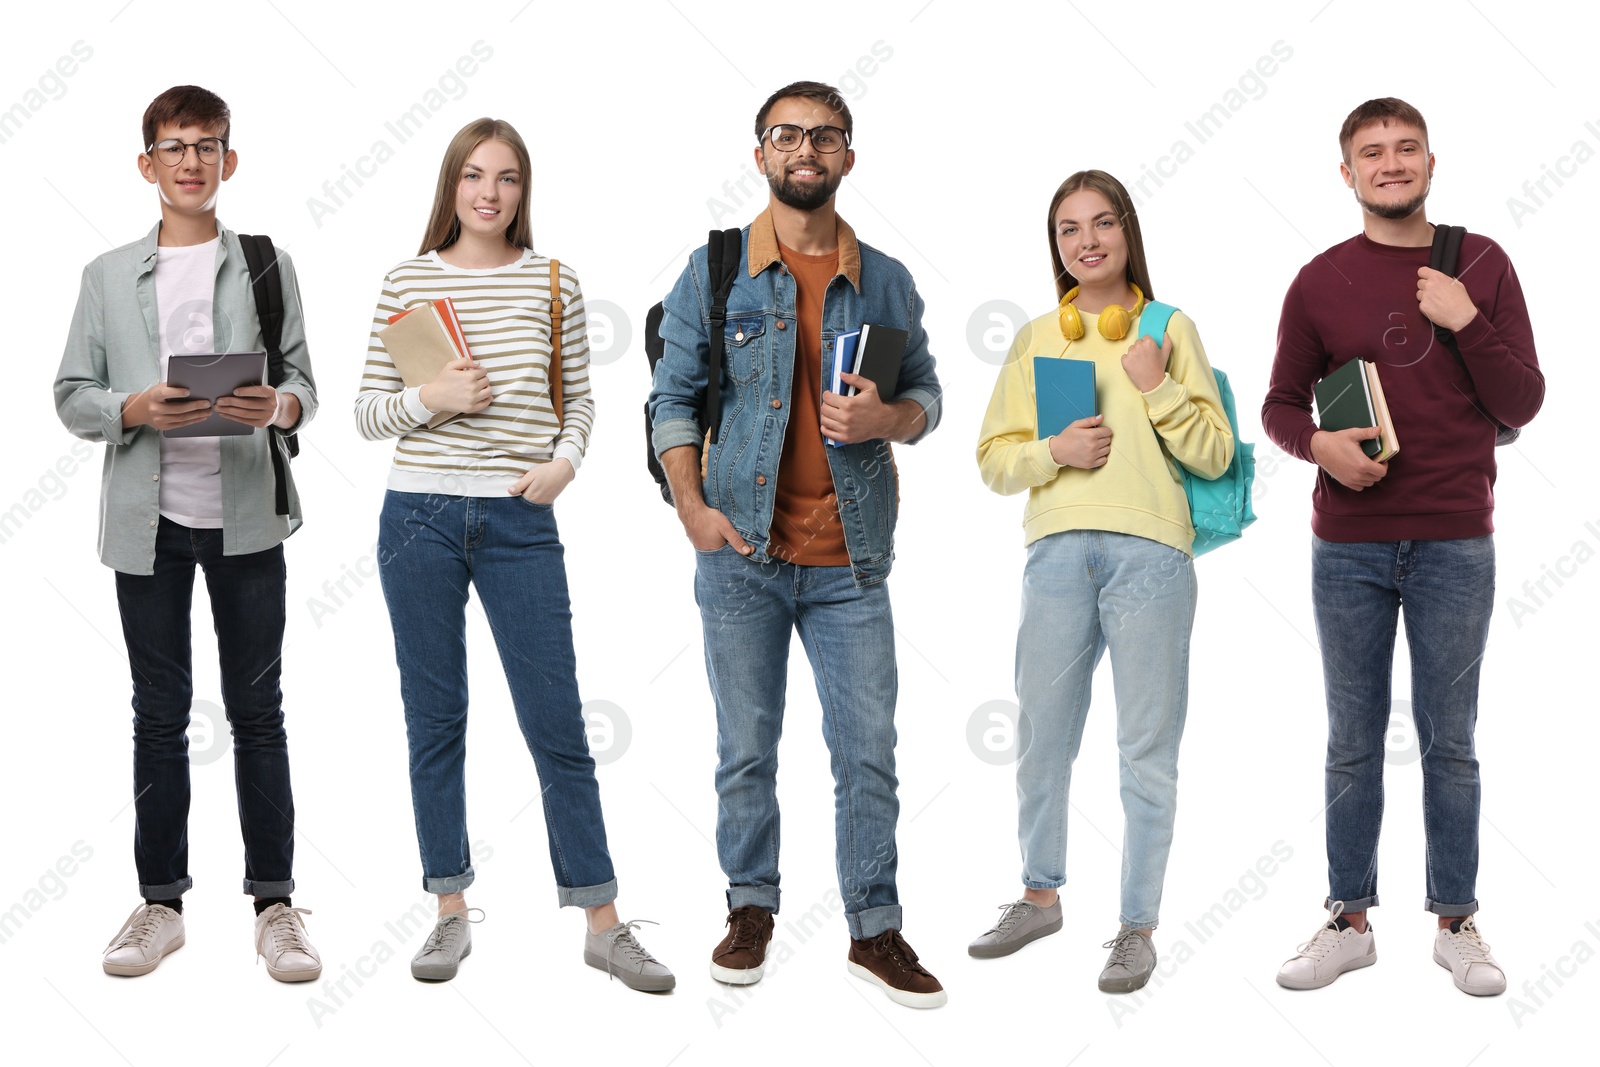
1220, 507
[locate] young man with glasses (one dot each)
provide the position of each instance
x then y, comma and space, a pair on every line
1414, 532
792, 533
170, 503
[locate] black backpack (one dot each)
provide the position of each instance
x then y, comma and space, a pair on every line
723, 248
262, 260
1445, 256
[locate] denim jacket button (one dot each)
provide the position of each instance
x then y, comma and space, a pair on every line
782, 325
777, 403
761, 479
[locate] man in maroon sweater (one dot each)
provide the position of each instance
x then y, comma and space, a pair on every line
1416, 530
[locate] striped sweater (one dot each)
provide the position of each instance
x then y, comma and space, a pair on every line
505, 317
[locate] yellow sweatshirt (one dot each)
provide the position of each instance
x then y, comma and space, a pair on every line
1139, 490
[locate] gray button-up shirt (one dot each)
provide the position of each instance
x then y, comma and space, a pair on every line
113, 352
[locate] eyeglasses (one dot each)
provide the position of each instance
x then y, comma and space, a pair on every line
788, 138
208, 150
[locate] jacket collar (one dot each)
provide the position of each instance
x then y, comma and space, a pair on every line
764, 248
147, 247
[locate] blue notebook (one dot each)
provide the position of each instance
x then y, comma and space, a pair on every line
844, 362
1063, 391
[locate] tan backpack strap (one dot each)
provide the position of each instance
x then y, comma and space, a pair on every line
555, 339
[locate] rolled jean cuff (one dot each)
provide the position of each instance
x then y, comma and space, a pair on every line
873, 921
586, 896
1138, 924
1359, 904
1048, 884
762, 896
1452, 911
170, 891
269, 889
454, 883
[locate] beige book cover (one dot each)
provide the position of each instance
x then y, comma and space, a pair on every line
419, 346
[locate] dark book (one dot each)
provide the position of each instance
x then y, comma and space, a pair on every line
878, 358
1352, 397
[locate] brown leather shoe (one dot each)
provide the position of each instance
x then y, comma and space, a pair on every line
741, 956
888, 961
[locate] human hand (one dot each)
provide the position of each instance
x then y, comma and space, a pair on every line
852, 419
163, 407
253, 405
1339, 453
461, 385
543, 482
1444, 299
1085, 443
1145, 363
709, 529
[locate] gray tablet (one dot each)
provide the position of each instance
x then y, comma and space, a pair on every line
210, 376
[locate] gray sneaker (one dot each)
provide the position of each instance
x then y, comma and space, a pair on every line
1133, 957
1021, 921
617, 952
449, 943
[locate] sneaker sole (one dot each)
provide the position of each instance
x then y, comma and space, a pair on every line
646, 983
133, 970
438, 974
738, 976
1125, 985
1006, 948
899, 996
1317, 983
295, 976
1445, 963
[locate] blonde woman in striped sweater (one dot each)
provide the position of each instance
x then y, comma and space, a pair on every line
469, 501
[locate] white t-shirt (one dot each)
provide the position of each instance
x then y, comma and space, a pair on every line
191, 467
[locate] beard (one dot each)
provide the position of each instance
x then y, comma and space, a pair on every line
807, 197
1401, 210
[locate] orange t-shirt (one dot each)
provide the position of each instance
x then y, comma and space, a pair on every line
805, 512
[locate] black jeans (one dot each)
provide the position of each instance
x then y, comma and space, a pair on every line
248, 605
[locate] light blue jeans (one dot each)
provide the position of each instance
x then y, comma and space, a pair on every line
1084, 591
749, 611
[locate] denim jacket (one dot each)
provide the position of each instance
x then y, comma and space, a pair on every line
741, 469
112, 353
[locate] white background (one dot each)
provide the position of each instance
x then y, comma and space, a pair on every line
636, 116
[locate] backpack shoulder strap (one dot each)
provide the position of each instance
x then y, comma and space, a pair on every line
1445, 255
266, 283
557, 309
723, 254
1153, 320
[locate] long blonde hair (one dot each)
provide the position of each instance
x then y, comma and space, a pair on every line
444, 228
1121, 203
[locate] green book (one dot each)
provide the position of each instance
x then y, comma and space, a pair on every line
1351, 397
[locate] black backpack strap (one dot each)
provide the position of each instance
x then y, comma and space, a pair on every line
266, 282
723, 248
1445, 257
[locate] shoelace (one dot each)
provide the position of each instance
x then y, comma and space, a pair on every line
744, 931
1124, 949
1012, 914
287, 933
1327, 937
137, 929
629, 945
1469, 944
892, 946
444, 934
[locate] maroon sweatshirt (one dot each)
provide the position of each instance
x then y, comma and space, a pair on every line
1359, 300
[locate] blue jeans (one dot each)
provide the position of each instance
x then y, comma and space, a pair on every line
430, 548
1447, 588
247, 609
1084, 591
748, 611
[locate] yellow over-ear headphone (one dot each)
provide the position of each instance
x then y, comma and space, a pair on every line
1115, 320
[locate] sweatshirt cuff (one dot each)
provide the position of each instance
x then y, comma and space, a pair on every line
1475, 332
1167, 395
568, 451
1039, 455
411, 397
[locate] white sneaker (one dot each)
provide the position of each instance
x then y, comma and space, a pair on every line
281, 941
1465, 955
1329, 953
150, 932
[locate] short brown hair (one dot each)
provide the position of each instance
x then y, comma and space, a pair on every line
1382, 110
1122, 204
826, 94
187, 105
444, 226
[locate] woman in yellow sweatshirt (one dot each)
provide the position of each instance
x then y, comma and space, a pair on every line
1110, 559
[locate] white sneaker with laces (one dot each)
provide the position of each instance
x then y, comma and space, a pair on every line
1329, 953
1465, 955
150, 932
281, 941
